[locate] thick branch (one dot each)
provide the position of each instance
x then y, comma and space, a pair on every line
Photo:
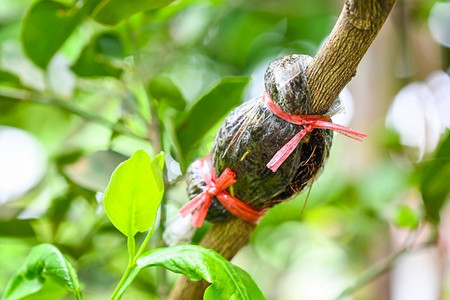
331, 69
336, 62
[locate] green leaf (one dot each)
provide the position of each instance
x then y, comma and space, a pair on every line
111, 12
227, 280
210, 109
164, 90
110, 44
7, 78
46, 27
18, 228
134, 193
406, 218
94, 61
434, 183
93, 171
45, 262
157, 167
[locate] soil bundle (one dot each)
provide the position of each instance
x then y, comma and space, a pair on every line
266, 150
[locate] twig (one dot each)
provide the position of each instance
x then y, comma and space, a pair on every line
10, 94
378, 269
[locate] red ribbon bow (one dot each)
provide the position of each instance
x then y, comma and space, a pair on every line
309, 123
215, 187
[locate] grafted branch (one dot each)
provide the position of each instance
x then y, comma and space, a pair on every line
331, 69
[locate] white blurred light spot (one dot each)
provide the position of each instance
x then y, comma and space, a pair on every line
173, 168
178, 230
439, 23
13, 59
439, 84
189, 25
346, 116
420, 112
417, 276
61, 78
22, 163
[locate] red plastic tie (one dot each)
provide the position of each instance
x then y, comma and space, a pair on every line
215, 187
309, 123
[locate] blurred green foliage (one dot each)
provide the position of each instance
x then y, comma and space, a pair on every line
44, 263
93, 81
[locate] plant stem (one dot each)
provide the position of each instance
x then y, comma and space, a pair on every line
155, 128
11, 94
145, 242
132, 258
131, 244
379, 269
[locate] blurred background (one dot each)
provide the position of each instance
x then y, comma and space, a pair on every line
84, 85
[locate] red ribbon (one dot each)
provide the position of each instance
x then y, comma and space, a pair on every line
309, 123
215, 187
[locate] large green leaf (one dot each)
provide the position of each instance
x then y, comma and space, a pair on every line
95, 60
434, 180
227, 280
111, 12
45, 263
210, 109
164, 90
46, 27
134, 193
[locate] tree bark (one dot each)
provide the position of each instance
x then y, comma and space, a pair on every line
331, 69
336, 62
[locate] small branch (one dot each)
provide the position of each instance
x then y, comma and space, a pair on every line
131, 244
336, 62
10, 94
379, 269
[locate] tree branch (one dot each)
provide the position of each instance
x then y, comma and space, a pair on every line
336, 62
10, 94
380, 268
329, 72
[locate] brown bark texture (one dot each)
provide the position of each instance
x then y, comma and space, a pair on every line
331, 69
336, 62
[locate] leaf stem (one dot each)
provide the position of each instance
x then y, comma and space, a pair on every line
132, 258
131, 244
145, 242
